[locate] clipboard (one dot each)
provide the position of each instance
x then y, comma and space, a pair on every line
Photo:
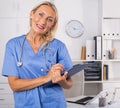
75, 69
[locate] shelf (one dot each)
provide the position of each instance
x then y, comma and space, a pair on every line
111, 37
111, 17
92, 81
112, 80
112, 60
78, 61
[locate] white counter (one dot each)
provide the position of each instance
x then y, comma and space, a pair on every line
92, 105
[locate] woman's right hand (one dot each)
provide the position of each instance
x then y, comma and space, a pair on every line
56, 77
55, 71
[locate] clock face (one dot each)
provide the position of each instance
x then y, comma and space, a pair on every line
74, 28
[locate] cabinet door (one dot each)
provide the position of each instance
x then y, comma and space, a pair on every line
111, 8
10, 28
22, 26
7, 31
8, 8
4, 88
25, 6
78, 87
7, 106
17, 8
6, 99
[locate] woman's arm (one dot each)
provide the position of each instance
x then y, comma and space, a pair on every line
18, 84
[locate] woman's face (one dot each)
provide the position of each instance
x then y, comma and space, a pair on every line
42, 19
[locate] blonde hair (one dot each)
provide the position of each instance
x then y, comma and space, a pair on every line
50, 34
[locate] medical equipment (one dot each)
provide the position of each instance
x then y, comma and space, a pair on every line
45, 50
48, 48
19, 63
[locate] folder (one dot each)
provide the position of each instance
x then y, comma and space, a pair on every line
90, 49
107, 46
105, 53
98, 47
83, 53
104, 72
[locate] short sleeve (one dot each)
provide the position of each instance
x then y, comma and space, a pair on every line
9, 63
64, 57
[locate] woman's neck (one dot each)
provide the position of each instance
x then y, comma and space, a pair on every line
34, 40
34, 37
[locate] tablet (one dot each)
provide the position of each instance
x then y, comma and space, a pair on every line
75, 69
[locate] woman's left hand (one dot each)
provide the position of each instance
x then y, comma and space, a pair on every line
56, 72
60, 79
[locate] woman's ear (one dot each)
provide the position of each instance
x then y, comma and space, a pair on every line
31, 14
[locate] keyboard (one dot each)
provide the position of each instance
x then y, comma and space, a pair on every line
82, 101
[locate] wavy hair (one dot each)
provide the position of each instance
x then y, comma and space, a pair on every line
50, 34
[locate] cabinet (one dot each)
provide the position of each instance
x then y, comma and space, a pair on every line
6, 97
110, 32
17, 8
111, 8
111, 42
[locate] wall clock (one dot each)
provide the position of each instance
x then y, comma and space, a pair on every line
74, 28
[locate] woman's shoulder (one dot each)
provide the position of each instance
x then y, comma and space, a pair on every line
15, 40
57, 42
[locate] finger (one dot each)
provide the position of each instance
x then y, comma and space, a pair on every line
65, 74
59, 66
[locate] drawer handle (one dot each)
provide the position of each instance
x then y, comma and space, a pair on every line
2, 99
2, 89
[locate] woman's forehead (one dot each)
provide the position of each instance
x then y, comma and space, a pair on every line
47, 10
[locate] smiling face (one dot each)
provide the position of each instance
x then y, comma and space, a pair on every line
42, 19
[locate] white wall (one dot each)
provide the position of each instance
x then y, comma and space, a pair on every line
14, 20
86, 11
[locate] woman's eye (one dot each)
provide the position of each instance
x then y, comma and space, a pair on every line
40, 14
51, 20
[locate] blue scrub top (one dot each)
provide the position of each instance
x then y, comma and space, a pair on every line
35, 65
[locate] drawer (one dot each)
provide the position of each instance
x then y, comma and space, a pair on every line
6, 106
6, 99
3, 79
4, 88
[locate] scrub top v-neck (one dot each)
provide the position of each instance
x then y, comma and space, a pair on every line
35, 65
30, 47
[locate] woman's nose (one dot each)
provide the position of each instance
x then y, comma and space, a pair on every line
43, 21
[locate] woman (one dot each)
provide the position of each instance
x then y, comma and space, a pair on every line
33, 63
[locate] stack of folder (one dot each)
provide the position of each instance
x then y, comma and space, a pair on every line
93, 72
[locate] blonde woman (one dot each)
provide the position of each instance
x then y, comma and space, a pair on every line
33, 62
